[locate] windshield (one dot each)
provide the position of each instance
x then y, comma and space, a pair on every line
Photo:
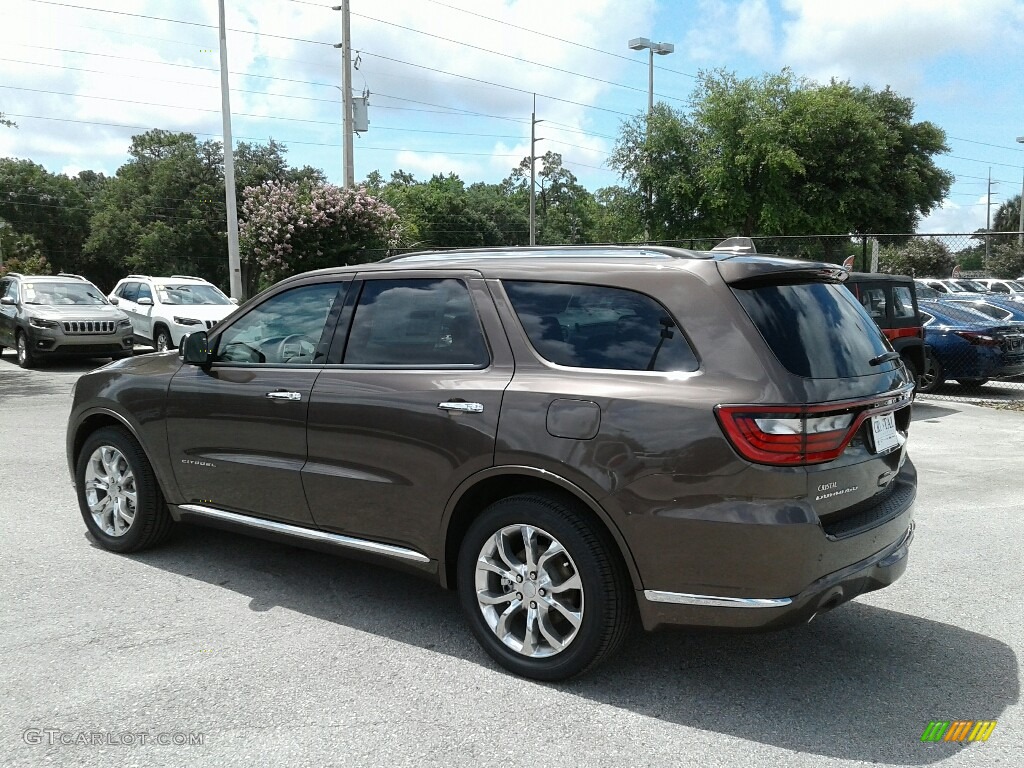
1015, 286
63, 293
190, 294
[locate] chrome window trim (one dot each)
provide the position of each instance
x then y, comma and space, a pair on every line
711, 601
337, 539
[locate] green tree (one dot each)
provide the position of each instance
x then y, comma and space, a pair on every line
1007, 260
1007, 216
921, 257
163, 212
781, 155
52, 208
565, 211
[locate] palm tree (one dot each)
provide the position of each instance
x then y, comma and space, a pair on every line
1007, 218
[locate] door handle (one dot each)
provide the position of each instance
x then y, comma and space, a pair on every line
284, 395
453, 405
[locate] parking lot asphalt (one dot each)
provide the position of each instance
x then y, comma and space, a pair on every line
271, 655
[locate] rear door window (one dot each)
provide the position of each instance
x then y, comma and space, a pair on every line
130, 292
902, 303
594, 326
416, 323
816, 330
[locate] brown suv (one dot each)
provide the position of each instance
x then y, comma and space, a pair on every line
564, 435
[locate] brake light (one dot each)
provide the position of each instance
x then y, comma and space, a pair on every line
978, 339
785, 435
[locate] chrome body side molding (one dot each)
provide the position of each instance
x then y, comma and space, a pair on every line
308, 534
711, 601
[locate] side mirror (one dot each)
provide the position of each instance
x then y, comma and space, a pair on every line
233, 300
7, 301
195, 349
145, 301
113, 300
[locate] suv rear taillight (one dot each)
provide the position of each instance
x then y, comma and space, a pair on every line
794, 435
978, 339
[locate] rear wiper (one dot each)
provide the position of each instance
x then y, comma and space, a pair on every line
884, 358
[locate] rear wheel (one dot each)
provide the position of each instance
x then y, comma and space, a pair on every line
915, 374
544, 591
933, 376
971, 383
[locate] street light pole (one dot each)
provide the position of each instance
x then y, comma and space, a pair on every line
234, 259
662, 49
346, 94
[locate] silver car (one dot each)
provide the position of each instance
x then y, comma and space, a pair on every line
43, 315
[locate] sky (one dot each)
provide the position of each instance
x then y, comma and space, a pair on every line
451, 82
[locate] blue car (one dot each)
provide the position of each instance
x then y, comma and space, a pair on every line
1001, 308
968, 346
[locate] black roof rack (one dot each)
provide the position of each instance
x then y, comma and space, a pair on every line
189, 277
71, 274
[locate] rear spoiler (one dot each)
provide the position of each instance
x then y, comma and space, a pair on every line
752, 271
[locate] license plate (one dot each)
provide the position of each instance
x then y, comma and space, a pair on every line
883, 429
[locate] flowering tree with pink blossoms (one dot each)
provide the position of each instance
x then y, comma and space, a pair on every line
291, 227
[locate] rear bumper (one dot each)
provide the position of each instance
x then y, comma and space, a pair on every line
659, 609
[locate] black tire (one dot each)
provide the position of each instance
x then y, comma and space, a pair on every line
915, 374
971, 383
152, 521
933, 376
162, 336
607, 597
25, 357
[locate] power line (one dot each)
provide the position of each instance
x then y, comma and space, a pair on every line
488, 82
987, 144
984, 162
633, 60
510, 56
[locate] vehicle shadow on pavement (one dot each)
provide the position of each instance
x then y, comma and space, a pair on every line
859, 683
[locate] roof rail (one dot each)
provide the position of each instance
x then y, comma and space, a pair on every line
14, 274
190, 277
70, 274
139, 276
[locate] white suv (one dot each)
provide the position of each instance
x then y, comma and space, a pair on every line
163, 309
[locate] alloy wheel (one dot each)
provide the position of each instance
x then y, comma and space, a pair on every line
529, 591
110, 491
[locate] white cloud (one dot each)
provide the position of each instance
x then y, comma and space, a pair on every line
889, 43
952, 217
754, 32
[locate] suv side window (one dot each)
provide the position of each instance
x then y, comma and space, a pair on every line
9, 288
145, 292
902, 302
873, 300
284, 329
130, 291
999, 287
592, 326
417, 322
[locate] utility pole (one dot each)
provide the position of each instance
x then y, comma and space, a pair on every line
988, 220
532, 175
1020, 225
346, 93
234, 260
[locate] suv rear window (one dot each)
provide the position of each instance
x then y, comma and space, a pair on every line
816, 330
594, 326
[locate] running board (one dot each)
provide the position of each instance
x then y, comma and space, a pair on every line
306, 534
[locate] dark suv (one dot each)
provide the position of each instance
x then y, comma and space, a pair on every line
564, 435
891, 301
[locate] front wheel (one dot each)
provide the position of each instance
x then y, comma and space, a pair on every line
25, 356
544, 591
118, 494
933, 376
163, 342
